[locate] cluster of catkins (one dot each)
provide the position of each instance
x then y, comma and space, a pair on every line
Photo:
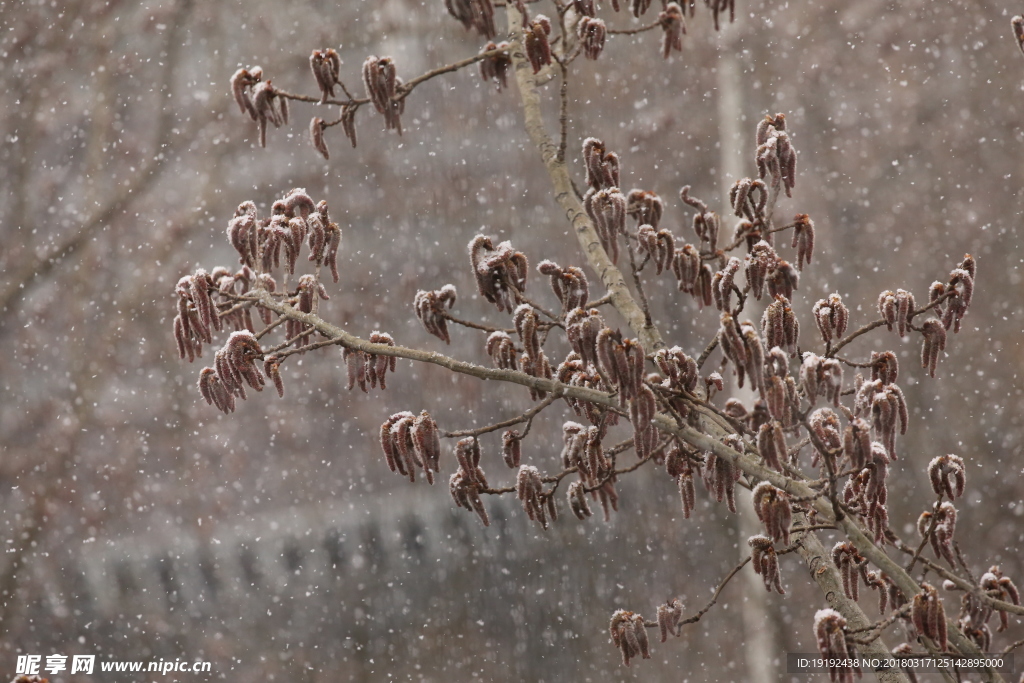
538, 505
209, 302
629, 634
235, 366
929, 616
774, 509
601, 359
938, 526
776, 156
852, 567
475, 15
410, 442
948, 479
720, 474
592, 31
679, 463
628, 630
495, 66
469, 481
382, 84
369, 368
607, 207
975, 613
326, 67
259, 99
266, 104
766, 562
500, 272
949, 300
430, 309
582, 450
535, 40
199, 316
295, 219
830, 631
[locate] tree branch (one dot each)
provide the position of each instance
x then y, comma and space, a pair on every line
829, 581
704, 441
597, 258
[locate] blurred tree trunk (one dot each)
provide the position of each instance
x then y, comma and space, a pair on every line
761, 648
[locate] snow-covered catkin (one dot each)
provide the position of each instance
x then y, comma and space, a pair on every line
592, 33
326, 68
241, 85
722, 284
511, 448
831, 317
780, 327
947, 475
530, 490
1017, 23
766, 562
538, 49
771, 445
430, 309
941, 523
803, 239
629, 634
1001, 588
933, 333
602, 166
720, 474
495, 67
669, 616
477, 15
776, 156
577, 496
849, 562
775, 511
377, 365
830, 631
673, 25
316, 136
928, 615
644, 206
783, 279
272, 368
381, 84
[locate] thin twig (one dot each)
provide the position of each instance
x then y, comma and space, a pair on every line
525, 417
555, 319
703, 357
302, 349
879, 626
1013, 647
644, 306
262, 333
563, 94
475, 326
714, 597
634, 31
812, 527
831, 353
924, 540
965, 585
403, 90
827, 456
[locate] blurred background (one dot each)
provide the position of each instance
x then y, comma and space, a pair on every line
139, 523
